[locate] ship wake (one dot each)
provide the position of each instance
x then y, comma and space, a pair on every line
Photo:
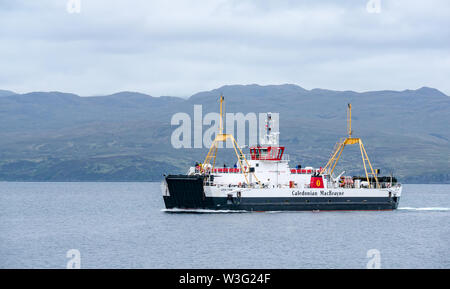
436, 209
201, 211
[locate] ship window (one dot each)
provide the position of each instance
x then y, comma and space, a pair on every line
257, 164
263, 153
329, 201
307, 201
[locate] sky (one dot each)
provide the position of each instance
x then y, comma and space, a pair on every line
178, 47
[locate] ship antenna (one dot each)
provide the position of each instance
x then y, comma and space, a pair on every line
349, 120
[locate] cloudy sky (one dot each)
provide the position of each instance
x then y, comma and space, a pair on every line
177, 47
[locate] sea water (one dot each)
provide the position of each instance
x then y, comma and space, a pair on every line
125, 225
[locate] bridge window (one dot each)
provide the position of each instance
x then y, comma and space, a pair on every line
267, 153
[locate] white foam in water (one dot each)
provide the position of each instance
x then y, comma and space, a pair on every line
203, 211
424, 209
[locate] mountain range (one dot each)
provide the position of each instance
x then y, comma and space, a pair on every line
55, 136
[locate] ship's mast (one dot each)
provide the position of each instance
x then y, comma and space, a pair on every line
269, 137
222, 137
332, 162
349, 120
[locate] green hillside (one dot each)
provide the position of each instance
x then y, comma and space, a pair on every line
53, 136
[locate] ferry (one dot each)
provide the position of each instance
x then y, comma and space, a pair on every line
264, 180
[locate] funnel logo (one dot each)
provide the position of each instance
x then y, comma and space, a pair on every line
316, 182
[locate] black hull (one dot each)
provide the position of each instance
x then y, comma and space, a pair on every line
186, 192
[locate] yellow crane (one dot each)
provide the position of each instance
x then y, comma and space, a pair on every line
332, 162
222, 137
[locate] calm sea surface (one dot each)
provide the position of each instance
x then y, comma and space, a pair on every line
123, 225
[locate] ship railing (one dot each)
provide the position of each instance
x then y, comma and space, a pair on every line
285, 157
361, 185
226, 170
305, 171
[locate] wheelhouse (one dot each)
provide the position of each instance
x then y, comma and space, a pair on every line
267, 153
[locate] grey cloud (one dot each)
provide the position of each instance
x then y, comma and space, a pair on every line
181, 47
